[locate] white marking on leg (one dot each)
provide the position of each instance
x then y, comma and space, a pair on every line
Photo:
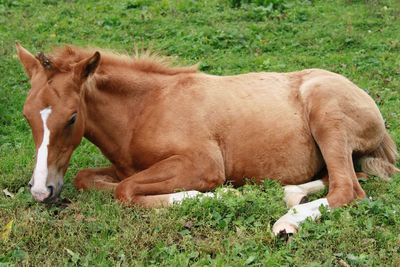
39, 189
313, 187
219, 193
291, 221
295, 193
180, 196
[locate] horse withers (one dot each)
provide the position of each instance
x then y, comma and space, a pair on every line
166, 129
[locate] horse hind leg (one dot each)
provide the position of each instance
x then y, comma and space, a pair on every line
334, 108
343, 188
298, 194
336, 149
336, 144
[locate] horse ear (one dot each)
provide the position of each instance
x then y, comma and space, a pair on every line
30, 63
86, 67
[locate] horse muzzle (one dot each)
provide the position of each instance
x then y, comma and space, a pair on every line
47, 194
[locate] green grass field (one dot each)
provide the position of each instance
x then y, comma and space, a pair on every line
359, 39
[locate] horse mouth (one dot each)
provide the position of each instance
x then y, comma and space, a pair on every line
52, 197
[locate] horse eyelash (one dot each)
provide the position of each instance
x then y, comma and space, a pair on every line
72, 119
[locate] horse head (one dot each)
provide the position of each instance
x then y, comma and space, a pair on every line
56, 114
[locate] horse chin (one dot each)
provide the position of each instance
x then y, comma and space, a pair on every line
56, 196
52, 200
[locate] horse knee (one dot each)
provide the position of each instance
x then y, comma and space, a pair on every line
80, 181
122, 194
125, 193
213, 182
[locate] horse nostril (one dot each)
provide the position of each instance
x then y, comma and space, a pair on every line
29, 186
51, 189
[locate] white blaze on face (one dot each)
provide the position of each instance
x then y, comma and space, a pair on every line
39, 188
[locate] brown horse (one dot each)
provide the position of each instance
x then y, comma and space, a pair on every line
166, 129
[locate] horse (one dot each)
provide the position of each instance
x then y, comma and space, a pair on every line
172, 133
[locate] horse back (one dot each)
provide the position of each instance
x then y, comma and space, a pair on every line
254, 123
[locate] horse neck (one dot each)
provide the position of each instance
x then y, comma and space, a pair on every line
112, 105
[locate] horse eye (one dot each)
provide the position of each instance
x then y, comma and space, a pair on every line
72, 119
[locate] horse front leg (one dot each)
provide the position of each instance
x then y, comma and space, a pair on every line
157, 186
98, 178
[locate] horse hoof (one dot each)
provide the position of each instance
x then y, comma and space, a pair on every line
282, 235
284, 229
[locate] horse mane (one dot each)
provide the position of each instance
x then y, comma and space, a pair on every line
64, 58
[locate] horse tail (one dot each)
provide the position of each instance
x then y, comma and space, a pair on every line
381, 162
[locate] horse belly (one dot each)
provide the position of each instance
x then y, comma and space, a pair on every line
278, 147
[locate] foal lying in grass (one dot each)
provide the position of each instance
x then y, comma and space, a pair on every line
166, 129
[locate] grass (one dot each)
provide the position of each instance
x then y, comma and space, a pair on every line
360, 39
